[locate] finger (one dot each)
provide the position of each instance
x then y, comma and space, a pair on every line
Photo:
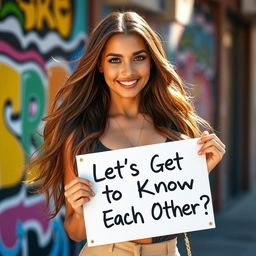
78, 194
204, 133
81, 194
211, 136
212, 143
78, 180
74, 197
77, 186
80, 187
216, 153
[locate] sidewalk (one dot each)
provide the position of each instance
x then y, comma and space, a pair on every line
234, 235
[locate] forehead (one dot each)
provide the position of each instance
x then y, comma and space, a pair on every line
124, 43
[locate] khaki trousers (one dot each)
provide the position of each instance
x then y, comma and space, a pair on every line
167, 248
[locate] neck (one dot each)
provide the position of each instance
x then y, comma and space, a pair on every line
127, 107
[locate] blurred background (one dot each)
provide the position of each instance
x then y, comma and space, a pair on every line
212, 44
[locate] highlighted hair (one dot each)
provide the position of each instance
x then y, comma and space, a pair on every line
79, 114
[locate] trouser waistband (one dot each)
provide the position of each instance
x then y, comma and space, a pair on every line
167, 248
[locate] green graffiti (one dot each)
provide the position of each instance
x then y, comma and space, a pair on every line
80, 24
186, 40
203, 53
196, 40
33, 106
12, 8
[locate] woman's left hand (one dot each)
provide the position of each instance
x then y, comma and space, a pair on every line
212, 147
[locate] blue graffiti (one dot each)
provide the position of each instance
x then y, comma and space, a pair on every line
61, 245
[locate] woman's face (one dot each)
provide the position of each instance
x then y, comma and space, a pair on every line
125, 64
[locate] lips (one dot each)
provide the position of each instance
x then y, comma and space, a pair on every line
129, 83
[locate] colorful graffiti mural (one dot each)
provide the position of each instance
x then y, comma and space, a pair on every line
192, 50
32, 34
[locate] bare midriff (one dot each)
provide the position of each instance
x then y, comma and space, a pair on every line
143, 241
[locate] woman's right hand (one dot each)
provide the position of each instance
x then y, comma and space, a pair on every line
78, 192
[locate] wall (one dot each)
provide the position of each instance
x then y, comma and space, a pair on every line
253, 106
196, 60
32, 34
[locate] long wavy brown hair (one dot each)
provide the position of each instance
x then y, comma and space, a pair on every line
80, 109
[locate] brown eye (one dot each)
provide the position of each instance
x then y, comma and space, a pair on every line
140, 58
114, 60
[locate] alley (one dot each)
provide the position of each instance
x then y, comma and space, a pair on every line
235, 233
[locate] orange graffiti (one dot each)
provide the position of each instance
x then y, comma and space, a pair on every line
57, 75
55, 14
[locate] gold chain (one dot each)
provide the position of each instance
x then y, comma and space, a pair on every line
187, 243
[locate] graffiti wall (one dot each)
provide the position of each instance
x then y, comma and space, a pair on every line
196, 60
36, 37
192, 50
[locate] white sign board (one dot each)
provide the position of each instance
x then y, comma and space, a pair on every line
146, 191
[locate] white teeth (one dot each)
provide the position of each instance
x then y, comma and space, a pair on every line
128, 83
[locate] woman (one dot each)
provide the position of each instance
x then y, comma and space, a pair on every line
123, 93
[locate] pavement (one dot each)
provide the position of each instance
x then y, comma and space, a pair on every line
234, 235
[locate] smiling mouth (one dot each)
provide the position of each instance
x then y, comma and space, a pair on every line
128, 84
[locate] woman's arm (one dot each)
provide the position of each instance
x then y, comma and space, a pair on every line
77, 192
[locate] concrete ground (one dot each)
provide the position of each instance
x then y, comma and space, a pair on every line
234, 235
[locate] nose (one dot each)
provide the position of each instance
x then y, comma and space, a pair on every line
127, 68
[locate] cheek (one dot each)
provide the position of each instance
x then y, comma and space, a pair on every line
110, 74
145, 70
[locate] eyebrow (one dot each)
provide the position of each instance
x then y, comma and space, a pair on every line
120, 55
